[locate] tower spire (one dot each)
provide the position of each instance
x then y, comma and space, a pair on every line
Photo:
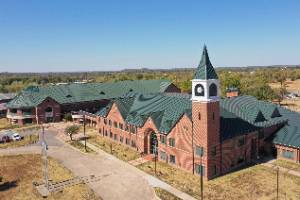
205, 69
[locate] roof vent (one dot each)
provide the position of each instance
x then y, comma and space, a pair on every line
130, 90
102, 92
69, 96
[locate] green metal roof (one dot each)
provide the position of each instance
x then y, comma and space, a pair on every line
72, 93
289, 135
257, 113
205, 70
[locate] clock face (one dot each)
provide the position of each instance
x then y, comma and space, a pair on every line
199, 90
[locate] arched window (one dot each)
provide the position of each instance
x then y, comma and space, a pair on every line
48, 109
213, 91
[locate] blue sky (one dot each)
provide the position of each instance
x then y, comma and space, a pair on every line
78, 35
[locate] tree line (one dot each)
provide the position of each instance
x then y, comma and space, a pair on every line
253, 82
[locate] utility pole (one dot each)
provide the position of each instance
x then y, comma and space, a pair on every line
44, 158
84, 131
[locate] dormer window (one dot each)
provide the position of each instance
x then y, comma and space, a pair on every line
275, 113
69, 96
103, 93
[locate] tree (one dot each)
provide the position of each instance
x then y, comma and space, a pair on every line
68, 117
72, 130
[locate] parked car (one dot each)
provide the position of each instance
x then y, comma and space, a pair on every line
16, 137
7, 136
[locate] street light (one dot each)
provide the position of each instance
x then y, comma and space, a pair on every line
84, 130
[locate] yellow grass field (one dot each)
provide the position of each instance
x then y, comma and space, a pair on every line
257, 182
19, 172
291, 86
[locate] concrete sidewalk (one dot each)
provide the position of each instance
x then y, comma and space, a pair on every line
151, 180
281, 169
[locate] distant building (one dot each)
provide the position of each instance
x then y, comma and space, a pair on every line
4, 99
201, 133
232, 92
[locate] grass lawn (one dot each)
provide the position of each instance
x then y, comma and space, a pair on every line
165, 195
26, 141
77, 144
22, 170
4, 124
287, 164
257, 182
120, 151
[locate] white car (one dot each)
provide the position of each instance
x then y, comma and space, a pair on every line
16, 137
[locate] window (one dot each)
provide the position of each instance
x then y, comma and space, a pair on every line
115, 124
105, 132
48, 109
214, 170
126, 127
105, 121
121, 139
200, 169
241, 141
213, 115
199, 116
172, 142
163, 139
110, 134
214, 151
199, 151
288, 154
133, 143
115, 137
127, 141
132, 129
121, 126
172, 159
100, 130
109, 122
163, 155
213, 91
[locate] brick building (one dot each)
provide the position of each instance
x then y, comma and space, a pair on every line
37, 104
4, 99
200, 133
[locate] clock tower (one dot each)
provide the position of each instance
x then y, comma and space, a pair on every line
206, 118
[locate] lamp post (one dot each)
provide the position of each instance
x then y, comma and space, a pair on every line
201, 178
84, 131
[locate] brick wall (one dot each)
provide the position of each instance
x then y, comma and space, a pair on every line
206, 130
41, 113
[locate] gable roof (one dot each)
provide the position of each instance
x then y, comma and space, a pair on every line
72, 93
205, 69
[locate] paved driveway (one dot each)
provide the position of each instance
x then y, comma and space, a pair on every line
119, 180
